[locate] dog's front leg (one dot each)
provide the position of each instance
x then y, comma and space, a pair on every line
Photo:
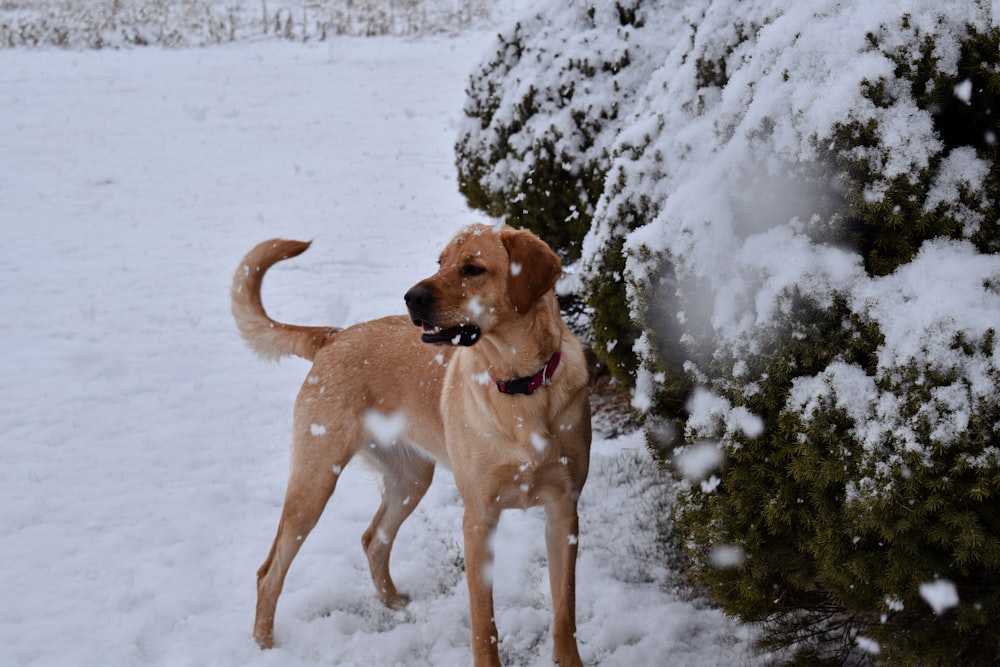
478, 528
561, 531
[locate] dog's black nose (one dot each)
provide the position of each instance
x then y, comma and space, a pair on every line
418, 300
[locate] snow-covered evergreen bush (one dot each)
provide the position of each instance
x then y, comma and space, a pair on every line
801, 209
826, 242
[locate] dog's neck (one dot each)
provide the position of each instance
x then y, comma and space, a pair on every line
526, 345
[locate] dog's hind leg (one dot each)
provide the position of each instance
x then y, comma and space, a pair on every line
406, 479
309, 488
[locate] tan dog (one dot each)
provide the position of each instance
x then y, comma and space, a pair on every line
493, 385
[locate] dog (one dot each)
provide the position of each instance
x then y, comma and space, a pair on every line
483, 376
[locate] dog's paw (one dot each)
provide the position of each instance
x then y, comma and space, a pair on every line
265, 640
398, 601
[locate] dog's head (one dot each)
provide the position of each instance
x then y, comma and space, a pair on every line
486, 275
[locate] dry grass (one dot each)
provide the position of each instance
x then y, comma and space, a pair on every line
122, 23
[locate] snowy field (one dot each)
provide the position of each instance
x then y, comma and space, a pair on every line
145, 448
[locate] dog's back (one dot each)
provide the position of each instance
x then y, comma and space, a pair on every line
362, 376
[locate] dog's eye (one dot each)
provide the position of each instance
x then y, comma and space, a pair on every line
471, 270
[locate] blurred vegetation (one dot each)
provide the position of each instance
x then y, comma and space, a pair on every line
118, 23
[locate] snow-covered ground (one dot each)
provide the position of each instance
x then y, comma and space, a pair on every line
144, 447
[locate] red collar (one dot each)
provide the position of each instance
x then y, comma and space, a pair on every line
529, 385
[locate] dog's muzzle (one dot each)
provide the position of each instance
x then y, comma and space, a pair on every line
420, 304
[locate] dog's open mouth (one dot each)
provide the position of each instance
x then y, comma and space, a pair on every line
462, 334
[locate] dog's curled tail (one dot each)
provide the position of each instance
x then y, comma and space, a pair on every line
268, 338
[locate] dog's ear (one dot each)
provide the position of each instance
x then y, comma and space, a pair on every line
534, 268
